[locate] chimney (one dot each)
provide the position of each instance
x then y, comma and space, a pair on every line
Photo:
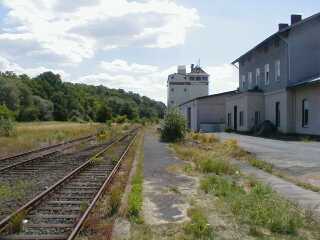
283, 26
295, 18
192, 67
182, 69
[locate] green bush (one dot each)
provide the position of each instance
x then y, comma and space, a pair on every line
174, 127
228, 130
5, 113
120, 119
7, 125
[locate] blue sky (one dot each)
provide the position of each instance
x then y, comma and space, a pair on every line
134, 45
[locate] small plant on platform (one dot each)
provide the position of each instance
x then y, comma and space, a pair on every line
174, 127
217, 166
268, 167
135, 198
198, 227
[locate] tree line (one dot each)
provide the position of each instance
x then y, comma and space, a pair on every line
46, 98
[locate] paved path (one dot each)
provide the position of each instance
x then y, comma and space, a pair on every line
304, 198
165, 193
296, 158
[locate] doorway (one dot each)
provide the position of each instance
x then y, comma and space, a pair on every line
189, 117
278, 114
235, 118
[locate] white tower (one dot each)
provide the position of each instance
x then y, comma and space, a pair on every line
183, 86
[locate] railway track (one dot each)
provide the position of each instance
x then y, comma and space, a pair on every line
59, 212
34, 177
15, 160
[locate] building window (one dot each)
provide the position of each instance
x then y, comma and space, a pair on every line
205, 78
267, 74
229, 120
198, 78
257, 76
172, 89
278, 120
305, 113
191, 78
243, 81
257, 118
185, 89
241, 121
277, 70
172, 102
250, 79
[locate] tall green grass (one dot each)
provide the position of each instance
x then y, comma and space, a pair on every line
258, 207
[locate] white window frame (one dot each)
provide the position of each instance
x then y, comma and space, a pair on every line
258, 74
243, 80
277, 72
267, 74
250, 80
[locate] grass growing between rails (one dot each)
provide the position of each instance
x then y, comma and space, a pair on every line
15, 191
34, 135
254, 207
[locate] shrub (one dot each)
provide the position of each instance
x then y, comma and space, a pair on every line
120, 119
7, 127
228, 130
174, 127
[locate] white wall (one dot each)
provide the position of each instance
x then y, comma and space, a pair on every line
312, 94
281, 96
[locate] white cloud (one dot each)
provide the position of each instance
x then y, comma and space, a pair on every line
6, 65
151, 80
147, 80
75, 30
223, 78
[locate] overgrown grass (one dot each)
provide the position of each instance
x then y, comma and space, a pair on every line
34, 135
253, 204
13, 191
205, 161
267, 167
258, 207
135, 198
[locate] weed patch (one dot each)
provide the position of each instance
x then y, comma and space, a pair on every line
258, 207
135, 197
198, 227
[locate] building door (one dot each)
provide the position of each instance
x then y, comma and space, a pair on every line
189, 117
278, 114
235, 117
256, 118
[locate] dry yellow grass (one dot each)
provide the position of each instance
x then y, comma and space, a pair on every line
40, 134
